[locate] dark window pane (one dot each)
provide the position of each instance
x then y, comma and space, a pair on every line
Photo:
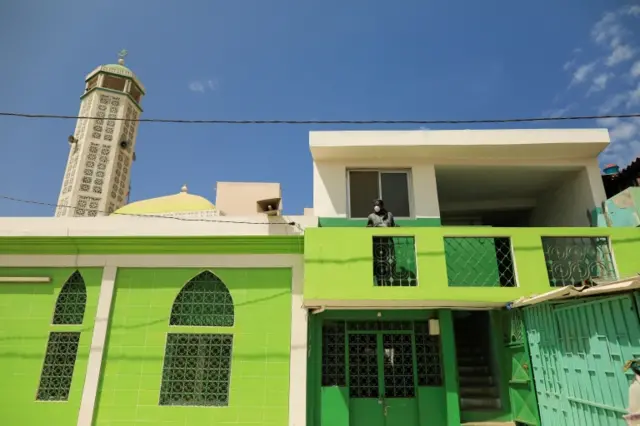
395, 193
363, 189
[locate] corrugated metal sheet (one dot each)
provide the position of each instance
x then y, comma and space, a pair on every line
578, 350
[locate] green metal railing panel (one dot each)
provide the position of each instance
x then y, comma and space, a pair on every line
578, 350
479, 262
574, 260
394, 262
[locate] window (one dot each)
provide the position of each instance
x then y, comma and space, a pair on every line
394, 262
92, 83
135, 92
367, 185
62, 348
197, 366
114, 83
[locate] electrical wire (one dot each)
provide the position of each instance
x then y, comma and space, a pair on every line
183, 219
323, 122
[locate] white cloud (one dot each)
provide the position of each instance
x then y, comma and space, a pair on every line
201, 86
635, 69
613, 102
600, 82
633, 97
620, 53
196, 86
582, 72
559, 112
623, 130
608, 31
607, 122
632, 10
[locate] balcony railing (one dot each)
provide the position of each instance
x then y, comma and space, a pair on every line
394, 262
576, 260
460, 264
479, 262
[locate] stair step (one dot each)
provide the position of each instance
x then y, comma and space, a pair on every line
469, 370
475, 380
474, 391
479, 403
471, 361
464, 350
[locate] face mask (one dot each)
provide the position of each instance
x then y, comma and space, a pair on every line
376, 209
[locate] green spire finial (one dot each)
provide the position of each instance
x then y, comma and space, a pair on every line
121, 55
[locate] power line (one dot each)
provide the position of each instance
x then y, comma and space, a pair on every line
183, 219
323, 122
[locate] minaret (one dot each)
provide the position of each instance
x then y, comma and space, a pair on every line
102, 148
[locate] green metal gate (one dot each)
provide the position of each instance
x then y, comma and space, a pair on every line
578, 350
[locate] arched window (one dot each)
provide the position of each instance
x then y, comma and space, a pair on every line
71, 302
203, 302
197, 366
62, 348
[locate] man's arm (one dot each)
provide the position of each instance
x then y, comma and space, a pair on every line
392, 221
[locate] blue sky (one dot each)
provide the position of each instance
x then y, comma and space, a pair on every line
302, 59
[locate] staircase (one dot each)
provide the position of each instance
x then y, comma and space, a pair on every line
478, 387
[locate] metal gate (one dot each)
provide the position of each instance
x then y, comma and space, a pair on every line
578, 350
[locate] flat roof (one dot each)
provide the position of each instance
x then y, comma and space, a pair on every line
533, 143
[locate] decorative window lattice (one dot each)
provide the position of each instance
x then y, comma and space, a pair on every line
59, 362
398, 366
72, 301
394, 262
197, 370
87, 206
333, 354
479, 262
204, 302
428, 356
574, 260
363, 366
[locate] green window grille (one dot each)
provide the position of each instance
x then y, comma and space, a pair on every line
359, 354
479, 262
197, 370
71, 302
394, 262
428, 354
575, 260
59, 363
203, 302
197, 366
333, 354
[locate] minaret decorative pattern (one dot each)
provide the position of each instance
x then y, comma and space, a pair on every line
98, 172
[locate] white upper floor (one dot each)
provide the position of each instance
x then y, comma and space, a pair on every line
497, 177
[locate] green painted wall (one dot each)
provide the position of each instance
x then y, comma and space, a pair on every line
26, 311
268, 244
130, 389
338, 262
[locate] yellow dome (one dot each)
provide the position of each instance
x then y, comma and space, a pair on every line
182, 202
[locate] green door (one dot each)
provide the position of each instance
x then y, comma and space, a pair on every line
382, 378
522, 394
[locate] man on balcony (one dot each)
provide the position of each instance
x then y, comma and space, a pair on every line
380, 216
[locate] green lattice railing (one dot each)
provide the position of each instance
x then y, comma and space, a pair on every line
574, 260
394, 262
479, 262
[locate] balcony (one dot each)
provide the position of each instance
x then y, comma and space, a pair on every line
458, 266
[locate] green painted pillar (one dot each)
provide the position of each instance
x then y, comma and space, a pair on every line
450, 366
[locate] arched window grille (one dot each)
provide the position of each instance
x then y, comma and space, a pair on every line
197, 365
62, 347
